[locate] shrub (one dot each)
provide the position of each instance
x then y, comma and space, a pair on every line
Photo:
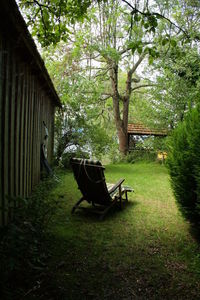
22, 243
72, 154
138, 155
184, 165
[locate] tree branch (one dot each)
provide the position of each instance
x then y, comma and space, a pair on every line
40, 5
136, 65
147, 14
142, 85
105, 98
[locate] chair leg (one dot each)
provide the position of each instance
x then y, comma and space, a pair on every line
107, 209
123, 199
126, 195
120, 197
77, 204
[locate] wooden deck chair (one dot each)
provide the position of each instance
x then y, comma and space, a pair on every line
91, 182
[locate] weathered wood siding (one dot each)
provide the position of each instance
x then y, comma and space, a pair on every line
24, 105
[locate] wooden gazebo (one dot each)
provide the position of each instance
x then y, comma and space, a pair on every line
138, 129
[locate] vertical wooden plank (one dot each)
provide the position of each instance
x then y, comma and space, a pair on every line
36, 133
31, 133
6, 131
34, 145
1, 133
17, 129
25, 134
49, 128
43, 118
30, 136
27, 170
52, 131
21, 132
12, 79
38, 136
12, 123
50, 118
41, 130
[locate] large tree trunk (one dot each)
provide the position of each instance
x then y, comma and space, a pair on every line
123, 141
121, 123
122, 129
121, 117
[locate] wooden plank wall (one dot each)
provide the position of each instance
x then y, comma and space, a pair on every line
1, 132
24, 105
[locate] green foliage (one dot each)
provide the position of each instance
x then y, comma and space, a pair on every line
184, 165
141, 155
114, 155
65, 160
175, 91
53, 21
50, 20
151, 143
22, 243
118, 38
80, 123
148, 155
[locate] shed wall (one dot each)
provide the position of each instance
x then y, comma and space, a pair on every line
24, 105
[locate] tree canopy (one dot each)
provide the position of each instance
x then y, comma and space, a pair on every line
132, 59
51, 20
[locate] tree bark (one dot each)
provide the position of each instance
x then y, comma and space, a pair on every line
123, 141
120, 123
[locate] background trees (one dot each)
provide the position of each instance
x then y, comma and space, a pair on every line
51, 20
111, 44
120, 61
79, 123
175, 92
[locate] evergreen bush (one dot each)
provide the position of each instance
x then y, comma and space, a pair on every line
184, 165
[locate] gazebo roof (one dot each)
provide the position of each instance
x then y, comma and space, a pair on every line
140, 129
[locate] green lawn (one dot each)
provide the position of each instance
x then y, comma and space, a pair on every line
145, 251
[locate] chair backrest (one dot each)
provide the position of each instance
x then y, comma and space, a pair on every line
91, 181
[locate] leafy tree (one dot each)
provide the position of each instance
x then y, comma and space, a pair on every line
107, 50
51, 20
175, 91
116, 37
176, 70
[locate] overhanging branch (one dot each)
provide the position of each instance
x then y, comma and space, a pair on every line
142, 85
147, 14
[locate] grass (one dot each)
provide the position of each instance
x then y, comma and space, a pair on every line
145, 251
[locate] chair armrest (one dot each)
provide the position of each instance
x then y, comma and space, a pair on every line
117, 185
